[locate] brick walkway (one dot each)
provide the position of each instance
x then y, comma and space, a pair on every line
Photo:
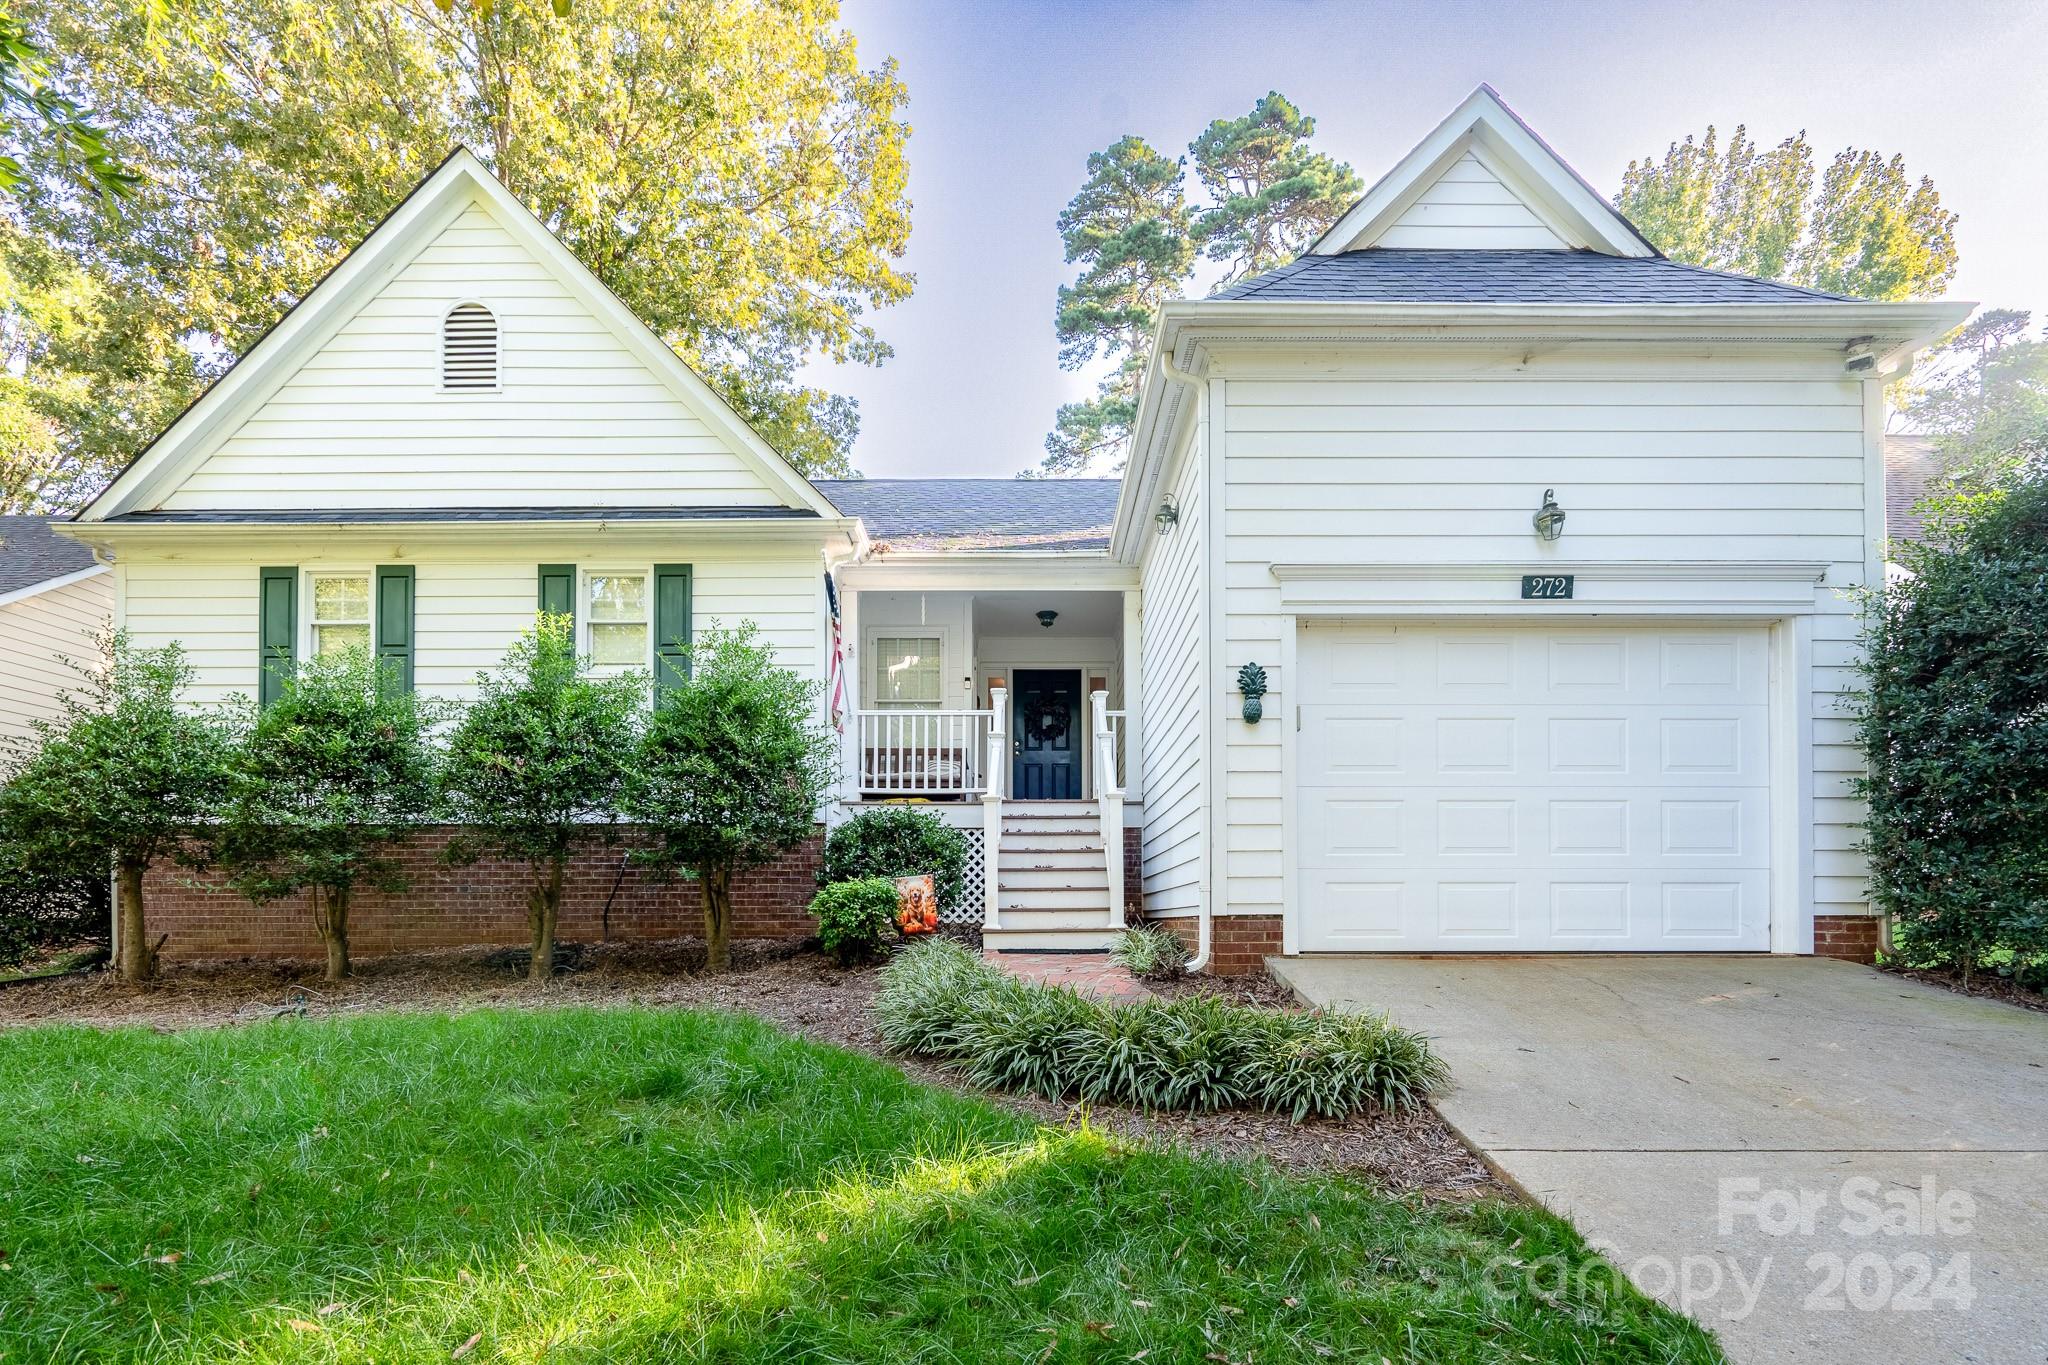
1089, 973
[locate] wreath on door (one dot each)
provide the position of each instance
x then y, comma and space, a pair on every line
1047, 720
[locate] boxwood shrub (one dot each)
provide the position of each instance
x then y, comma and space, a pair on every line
937, 1000
854, 917
898, 841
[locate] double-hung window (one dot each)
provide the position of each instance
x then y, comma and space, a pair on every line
618, 613
341, 611
908, 672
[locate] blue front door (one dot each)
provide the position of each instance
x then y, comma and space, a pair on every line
1045, 721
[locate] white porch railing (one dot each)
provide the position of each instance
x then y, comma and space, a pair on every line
1109, 787
923, 753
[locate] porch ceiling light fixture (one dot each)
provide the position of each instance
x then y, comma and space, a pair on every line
1549, 518
1168, 515
1046, 618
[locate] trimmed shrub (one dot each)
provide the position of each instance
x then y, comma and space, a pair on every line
898, 841
1954, 733
40, 912
938, 1000
854, 917
1151, 952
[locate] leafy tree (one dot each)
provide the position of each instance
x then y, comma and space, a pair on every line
1870, 231
1956, 750
730, 772
732, 171
1983, 396
332, 773
533, 770
42, 130
127, 776
1127, 228
1269, 195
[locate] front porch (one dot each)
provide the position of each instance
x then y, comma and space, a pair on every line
1004, 712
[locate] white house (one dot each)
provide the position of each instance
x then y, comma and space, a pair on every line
56, 600
1617, 725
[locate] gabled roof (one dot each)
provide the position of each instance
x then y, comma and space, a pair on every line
1484, 130
1413, 275
980, 514
436, 202
31, 555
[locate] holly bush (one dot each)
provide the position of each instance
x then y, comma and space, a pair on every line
1954, 733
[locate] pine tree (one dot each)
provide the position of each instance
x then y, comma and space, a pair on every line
1270, 195
1127, 228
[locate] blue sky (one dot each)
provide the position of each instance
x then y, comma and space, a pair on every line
1007, 100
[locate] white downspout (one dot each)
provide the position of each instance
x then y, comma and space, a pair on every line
1205, 913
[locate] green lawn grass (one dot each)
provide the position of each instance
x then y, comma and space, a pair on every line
638, 1185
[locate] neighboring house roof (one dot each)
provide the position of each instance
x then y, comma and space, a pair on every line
31, 555
1911, 469
980, 514
1447, 275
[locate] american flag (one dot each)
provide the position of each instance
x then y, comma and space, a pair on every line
835, 676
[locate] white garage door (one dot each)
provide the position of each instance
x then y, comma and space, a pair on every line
1504, 789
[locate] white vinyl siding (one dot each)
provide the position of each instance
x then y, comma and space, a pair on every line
37, 634
577, 420
469, 603
1171, 576
1469, 208
1441, 456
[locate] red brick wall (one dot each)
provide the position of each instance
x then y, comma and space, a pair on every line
450, 907
1242, 942
1853, 938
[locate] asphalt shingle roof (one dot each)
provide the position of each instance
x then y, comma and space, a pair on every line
30, 553
980, 514
1417, 275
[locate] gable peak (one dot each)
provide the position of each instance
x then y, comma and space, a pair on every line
1484, 179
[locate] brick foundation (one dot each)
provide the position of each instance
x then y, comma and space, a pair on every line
1242, 942
1852, 938
484, 904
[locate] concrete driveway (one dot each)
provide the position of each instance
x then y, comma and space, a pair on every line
1816, 1160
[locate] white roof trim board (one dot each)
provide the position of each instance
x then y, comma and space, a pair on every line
1485, 128
8, 599
460, 181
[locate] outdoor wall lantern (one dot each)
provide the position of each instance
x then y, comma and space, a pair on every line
1168, 515
1251, 680
1549, 518
1046, 618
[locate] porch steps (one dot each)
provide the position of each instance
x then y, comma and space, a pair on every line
1052, 887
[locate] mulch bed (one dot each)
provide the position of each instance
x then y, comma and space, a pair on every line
1988, 985
778, 981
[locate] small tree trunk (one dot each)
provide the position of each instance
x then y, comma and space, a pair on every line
330, 917
543, 911
138, 963
716, 886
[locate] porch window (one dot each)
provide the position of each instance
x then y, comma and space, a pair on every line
341, 612
908, 675
617, 612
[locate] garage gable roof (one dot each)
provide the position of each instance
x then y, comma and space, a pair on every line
1483, 176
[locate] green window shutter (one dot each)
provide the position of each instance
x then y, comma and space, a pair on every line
394, 620
558, 590
671, 624
277, 629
